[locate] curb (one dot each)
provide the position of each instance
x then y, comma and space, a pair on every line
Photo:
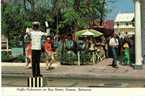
23, 64
79, 76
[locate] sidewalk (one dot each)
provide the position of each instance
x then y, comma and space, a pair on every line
7, 64
101, 70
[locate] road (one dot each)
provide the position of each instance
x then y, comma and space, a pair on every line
99, 75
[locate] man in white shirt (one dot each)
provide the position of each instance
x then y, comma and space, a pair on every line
36, 36
114, 46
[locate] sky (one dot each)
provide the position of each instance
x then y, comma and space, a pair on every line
119, 6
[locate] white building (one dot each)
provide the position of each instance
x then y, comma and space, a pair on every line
124, 23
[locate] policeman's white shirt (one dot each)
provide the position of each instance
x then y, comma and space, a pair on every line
36, 39
113, 42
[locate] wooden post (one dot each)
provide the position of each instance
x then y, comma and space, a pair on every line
79, 58
93, 58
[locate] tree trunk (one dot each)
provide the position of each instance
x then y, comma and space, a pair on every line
24, 4
77, 4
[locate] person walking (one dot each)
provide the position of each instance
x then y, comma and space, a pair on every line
114, 46
27, 48
36, 36
48, 46
126, 56
29, 55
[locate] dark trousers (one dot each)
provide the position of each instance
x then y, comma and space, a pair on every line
36, 62
114, 55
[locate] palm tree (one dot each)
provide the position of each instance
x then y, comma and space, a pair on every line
58, 6
102, 11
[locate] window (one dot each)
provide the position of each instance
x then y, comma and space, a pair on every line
133, 24
127, 24
117, 24
3, 45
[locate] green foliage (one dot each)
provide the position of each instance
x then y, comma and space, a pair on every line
69, 57
71, 16
64, 16
5, 56
12, 23
27, 24
83, 23
20, 59
15, 20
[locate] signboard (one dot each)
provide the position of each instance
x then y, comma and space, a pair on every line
17, 51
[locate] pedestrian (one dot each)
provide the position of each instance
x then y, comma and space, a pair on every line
120, 48
69, 46
36, 36
91, 46
132, 49
69, 43
81, 49
100, 50
48, 46
126, 56
62, 51
27, 48
114, 46
29, 55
